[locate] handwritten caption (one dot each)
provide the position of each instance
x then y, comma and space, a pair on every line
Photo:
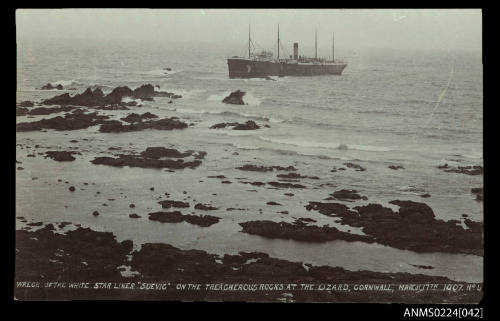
253, 287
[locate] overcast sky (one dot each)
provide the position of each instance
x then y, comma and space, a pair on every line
354, 29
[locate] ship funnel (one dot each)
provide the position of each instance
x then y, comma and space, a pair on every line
295, 50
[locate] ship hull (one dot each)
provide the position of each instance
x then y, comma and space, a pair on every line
244, 68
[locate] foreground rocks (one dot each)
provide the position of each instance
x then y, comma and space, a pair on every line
71, 121
414, 227
94, 98
177, 217
154, 157
84, 255
235, 98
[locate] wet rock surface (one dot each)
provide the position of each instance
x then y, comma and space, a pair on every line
177, 204
205, 207
347, 195
479, 192
357, 167
414, 227
84, 255
49, 86
154, 157
257, 168
61, 156
468, 170
95, 98
134, 118
249, 125
235, 98
177, 217
71, 121
115, 126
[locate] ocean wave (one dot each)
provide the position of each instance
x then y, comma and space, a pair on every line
66, 83
337, 146
248, 98
161, 72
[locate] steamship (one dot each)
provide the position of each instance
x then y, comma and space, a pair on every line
262, 65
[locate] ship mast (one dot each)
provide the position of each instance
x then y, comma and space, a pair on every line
278, 42
316, 44
333, 47
248, 41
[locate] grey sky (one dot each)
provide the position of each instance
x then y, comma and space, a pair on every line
354, 29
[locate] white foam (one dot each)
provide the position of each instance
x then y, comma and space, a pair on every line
334, 145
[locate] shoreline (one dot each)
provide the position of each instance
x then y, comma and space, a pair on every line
86, 256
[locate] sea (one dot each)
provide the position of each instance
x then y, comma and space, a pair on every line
415, 108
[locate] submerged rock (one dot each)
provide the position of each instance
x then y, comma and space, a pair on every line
236, 98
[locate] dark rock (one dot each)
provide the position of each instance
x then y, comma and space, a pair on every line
236, 98
414, 227
114, 126
396, 167
38, 256
273, 203
348, 195
71, 121
152, 157
285, 185
134, 216
358, 168
479, 192
95, 213
425, 267
49, 86
133, 118
26, 103
249, 125
60, 156
177, 217
205, 207
72, 188
426, 195
177, 204
255, 168
468, 170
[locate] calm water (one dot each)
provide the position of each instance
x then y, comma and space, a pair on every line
384, 108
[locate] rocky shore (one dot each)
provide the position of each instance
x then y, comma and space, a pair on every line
95, 265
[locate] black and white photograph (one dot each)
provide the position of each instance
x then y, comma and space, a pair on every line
249, 155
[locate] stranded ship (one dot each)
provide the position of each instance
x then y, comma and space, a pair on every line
262, 65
